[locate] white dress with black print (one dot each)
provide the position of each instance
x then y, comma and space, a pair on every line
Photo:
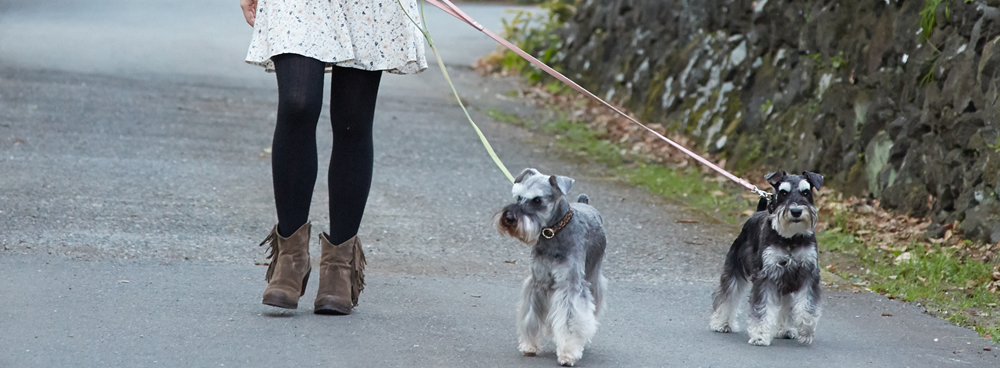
362, 34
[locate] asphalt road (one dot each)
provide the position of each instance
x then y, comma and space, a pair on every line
135, 186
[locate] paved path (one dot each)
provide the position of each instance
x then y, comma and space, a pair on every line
135, 185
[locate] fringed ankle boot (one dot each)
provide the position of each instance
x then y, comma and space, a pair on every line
288, 273
341, 276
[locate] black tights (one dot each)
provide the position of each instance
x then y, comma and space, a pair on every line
293, 158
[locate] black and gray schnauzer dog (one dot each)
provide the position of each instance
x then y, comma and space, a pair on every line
776, 252
564, 295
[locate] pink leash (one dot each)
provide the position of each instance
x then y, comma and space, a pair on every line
450, 8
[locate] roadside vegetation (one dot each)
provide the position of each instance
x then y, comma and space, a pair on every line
871, 249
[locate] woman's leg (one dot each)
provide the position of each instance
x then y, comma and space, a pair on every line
293, 155
352, 109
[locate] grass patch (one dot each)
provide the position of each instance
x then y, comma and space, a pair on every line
928, 16
949, 285
692, 188
508, 118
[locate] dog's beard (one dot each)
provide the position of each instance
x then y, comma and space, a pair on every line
526, 229
788, 226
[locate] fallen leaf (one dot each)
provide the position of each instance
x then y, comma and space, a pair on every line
122, 281
511, 262
687, 221
886, 315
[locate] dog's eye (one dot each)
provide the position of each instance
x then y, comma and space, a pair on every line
806, 192
536, 200
782, 192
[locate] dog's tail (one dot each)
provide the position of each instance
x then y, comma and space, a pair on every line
583, 199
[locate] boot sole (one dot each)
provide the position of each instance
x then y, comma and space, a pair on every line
280, 304
330, 310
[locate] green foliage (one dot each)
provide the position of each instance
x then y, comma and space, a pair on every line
928, 67
838, 61
765, 106
535, 33
995, 146
812, 106
928, 16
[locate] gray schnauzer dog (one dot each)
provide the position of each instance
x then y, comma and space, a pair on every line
564, 295
776, 252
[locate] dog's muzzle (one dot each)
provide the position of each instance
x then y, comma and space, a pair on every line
509, 219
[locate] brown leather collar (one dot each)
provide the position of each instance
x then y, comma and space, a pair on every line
550, 232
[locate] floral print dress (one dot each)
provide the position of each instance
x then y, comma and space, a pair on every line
362, 34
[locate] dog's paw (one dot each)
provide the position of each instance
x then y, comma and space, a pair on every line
567, 361
787, 334
528, 349
760, 341
805, 337
569, 353
725, 328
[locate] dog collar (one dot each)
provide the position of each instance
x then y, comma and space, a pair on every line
550, 232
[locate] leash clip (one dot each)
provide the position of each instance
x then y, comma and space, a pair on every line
761, 193
548, 233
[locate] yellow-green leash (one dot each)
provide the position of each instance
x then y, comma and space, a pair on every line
444, 71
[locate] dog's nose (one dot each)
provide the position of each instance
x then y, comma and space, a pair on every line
509, 218
795, 211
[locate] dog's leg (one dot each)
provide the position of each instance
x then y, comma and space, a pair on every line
598, 286
806, 311
571, 315
727, 300
531, 312
764, 309
786, 328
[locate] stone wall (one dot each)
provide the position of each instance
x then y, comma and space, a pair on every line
854, 89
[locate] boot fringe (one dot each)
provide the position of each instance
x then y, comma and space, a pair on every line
273, 250
358, 276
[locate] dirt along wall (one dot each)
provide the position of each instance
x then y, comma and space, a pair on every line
893, 99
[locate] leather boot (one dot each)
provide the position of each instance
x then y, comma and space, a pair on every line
341, 276
288, 273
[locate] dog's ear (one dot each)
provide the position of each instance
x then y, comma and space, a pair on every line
775, 178
524, 174
562, 183
814, 179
